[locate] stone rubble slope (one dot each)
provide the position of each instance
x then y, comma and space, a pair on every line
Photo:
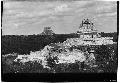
65, 56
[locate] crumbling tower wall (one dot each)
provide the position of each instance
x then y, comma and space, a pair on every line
87, 30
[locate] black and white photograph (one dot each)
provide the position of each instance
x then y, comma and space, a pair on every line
59, 40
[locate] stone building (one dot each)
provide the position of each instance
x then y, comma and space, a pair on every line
47, 31
87, 30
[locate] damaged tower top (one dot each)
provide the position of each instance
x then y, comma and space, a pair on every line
87, 29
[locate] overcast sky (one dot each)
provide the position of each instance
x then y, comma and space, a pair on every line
30, 17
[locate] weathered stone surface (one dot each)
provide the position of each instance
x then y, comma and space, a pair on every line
47, 31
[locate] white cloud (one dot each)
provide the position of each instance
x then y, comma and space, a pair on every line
81, 3
111, 14
104, 8
60, 14
61, 8
107, 14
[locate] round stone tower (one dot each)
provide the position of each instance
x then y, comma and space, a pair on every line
86, 29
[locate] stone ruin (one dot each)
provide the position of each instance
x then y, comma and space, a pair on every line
47, 31
62, 52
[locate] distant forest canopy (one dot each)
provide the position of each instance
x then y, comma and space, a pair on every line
23, 44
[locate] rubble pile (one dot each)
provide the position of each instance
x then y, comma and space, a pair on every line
91, 41
63, 56
71, 56
38, 56
62, 52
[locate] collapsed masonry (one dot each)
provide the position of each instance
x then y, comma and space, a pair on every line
63, 56
63, 52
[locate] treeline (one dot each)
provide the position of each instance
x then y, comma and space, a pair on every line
114, 35
106, 58
23, 44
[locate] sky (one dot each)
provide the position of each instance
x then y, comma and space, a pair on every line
27, 17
